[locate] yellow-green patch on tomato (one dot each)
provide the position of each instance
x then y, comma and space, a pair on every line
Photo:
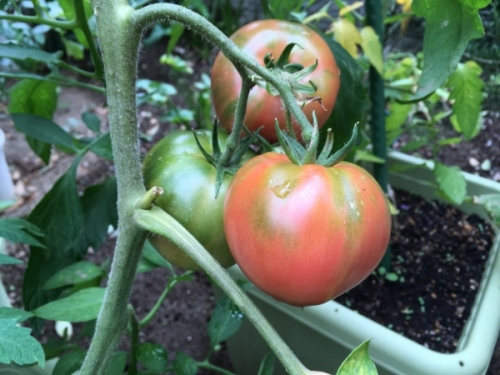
177, 165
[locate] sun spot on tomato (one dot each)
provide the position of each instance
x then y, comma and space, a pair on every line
281, 190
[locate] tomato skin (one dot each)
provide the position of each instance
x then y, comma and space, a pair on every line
271, 36
177, 165
305, 234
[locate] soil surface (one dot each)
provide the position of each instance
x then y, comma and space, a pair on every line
438, 257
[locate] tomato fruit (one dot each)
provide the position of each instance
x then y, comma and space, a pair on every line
305, 234
177, 165
257, 39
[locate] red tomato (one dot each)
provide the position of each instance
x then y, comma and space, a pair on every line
305, 234
271, 36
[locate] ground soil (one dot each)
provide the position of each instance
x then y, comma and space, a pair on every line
180, 322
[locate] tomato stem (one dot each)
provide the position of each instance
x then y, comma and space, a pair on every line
119, 48
146, 202
232, 141
159, 222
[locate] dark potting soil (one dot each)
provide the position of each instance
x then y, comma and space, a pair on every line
438, 258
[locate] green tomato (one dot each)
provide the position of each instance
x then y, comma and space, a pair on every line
177, 165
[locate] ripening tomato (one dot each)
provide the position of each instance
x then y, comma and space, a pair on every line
177, 165
257, 39
305, 234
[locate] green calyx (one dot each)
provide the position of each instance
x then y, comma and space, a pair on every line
301, 155
218, 158
292, 73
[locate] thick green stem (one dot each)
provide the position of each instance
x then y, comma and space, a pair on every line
119, 50
171, 12
159, 222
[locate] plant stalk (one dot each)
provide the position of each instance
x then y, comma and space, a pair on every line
159, 222
119, 53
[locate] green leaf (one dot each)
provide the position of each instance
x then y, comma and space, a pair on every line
34, 97
491, 204
16, 343
117, 363
100, 211
43, 130
365, 155
351, 98
81, 306
103, 147
60, 216
280, 9
467, 92
20, 231
8, 260
451, 182
153, 256
3, 4
18, 315
176, 31
398, 114
54, 348
91, 121
267, 365
74, 49
358, 362
414, 145
226, 319
153, 356
74, 274
69, 363
145, 265
17, 52
372, 48
184, 365
450, 25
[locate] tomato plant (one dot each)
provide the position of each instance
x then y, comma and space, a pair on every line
177, 165
305, 234
257, 39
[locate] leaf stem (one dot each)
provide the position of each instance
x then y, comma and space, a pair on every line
209, 366
82, 23
171, 283
56, 24
241, 107
159, 222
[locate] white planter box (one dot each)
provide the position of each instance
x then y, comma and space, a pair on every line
322, 336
